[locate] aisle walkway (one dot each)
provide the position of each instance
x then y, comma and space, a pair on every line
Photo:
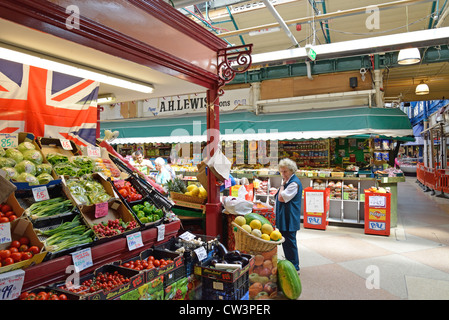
412, 263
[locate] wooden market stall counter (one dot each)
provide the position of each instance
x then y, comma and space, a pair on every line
54, 270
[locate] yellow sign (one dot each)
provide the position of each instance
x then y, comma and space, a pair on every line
377, 214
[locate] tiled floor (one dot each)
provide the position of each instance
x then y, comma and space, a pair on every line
411, 264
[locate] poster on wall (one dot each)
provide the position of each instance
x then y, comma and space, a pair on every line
47, 104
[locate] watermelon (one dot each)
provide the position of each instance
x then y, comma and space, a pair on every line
288, 279
255, 216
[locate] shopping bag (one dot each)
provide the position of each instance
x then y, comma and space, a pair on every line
237, 206
219, 165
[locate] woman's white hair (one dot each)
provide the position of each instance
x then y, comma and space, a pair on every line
160, 161
289, 164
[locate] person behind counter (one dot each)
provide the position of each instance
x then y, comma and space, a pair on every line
288, 209
162, 175
141, 164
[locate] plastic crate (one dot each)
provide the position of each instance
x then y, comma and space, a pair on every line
337, 174
213, 289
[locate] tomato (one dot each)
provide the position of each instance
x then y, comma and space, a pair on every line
31, 296
9, 213
24, 240
13, 249
4, 219
12, 217
26, 255
24, 295
23, 248
53, 297
42, 296
6, 207
156, 263
8, 261
4, 254
17, 256
15, 244
34, 250
62, 297
123, 192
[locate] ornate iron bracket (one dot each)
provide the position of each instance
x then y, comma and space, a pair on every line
232, 60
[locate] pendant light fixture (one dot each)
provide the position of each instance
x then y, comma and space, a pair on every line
422, 89
409, 56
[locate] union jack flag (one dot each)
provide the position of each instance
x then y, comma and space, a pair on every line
47, 103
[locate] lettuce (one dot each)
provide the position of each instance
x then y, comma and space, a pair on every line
14, 154
26, 177
24, 146
33, 156
26, 166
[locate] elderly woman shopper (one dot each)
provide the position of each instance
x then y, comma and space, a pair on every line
288, 209
162, 175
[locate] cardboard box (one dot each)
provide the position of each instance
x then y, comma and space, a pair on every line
53, 145
20, 228
222, 275
202, 174
6, 188
16, 207
116, 210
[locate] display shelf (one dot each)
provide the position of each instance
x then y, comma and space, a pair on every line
55, 270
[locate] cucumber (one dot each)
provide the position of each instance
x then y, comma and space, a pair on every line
255, 216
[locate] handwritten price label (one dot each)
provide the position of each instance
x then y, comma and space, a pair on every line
377, 201
11, 284
134, 241
160, 232
40, 193
9, 140
5, 232
93, 152
201, 253
66, 145
101, 209
82, 259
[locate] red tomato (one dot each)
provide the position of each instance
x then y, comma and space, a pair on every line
156, 263
13, 249
31, 296
42, 296
24, 240
54, 297
24, 295
12, 217
6, 207
4, 219
23, 248
4, 254
62, 297
26, 255
9, 213
15, 244
123, 192
8, 261
17, 256
34, 250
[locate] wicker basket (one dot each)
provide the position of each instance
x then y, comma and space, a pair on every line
187, 198
247, 242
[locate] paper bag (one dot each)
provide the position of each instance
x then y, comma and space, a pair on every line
220, 166
202, 174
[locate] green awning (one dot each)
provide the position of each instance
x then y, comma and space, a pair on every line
314, 124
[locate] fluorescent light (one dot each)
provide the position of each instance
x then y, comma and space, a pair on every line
422, 89
20, 57
409, 56
380, 44
105, 98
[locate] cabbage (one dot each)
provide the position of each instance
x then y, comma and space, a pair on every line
2, 152
26, 166
14, 154
26, 177
7, 162
43, 168
44, 178
24, 146
11, 173
33, 156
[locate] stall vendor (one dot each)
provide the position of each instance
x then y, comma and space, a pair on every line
141, 164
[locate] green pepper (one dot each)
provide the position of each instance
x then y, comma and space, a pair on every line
144, 220
147, 211
159, 213
140, 214
137, 207
146, 204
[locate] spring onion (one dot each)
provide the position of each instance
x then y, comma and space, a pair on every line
50, 207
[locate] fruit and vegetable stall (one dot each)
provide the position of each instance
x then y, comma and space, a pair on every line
89, 230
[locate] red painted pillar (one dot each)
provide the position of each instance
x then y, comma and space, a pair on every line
213, 207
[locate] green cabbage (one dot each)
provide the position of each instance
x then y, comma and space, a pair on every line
2, 152
7, 162
44, 178
14, 154
26, 177
33, 156
26, 166
24, 146
43, 168
11, 173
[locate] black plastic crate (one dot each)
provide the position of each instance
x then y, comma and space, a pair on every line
213, 289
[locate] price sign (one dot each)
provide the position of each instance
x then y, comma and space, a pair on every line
377, 201
187, 236
314, 202
5, 232
201, 253
9, 140
160, 232
66, 145
93, 152
134, 240
40, 193
101, 209
82, 259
